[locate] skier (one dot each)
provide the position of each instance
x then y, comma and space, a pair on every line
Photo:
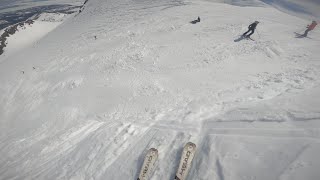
195, 21
310, 28
251, 28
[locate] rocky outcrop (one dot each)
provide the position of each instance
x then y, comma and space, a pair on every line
82, 7
10, 31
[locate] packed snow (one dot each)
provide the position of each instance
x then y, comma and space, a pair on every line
122, 77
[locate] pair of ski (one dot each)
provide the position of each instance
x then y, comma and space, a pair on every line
298, 35
243, 37
184, 166
247, 37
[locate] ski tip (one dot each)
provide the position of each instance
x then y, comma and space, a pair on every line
153, 150
148, 164
191, 145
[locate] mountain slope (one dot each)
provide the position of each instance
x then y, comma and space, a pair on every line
24, 34
92, 107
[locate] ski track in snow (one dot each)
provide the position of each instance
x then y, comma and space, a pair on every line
92, 108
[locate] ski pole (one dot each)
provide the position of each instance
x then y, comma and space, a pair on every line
258, 34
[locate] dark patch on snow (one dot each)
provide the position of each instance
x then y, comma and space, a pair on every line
82, 7
195, 21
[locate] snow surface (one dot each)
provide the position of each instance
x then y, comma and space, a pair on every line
52, 17
27, 35
92, 108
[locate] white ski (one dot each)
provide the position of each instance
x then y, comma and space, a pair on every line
148, 164
185, 161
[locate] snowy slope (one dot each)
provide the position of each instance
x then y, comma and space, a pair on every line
91, 108
28, 35
15, 5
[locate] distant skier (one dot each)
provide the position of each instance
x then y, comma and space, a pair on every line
251, 28
195, 21
310, 28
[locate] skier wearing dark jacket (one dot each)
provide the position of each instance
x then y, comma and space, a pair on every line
251, 28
